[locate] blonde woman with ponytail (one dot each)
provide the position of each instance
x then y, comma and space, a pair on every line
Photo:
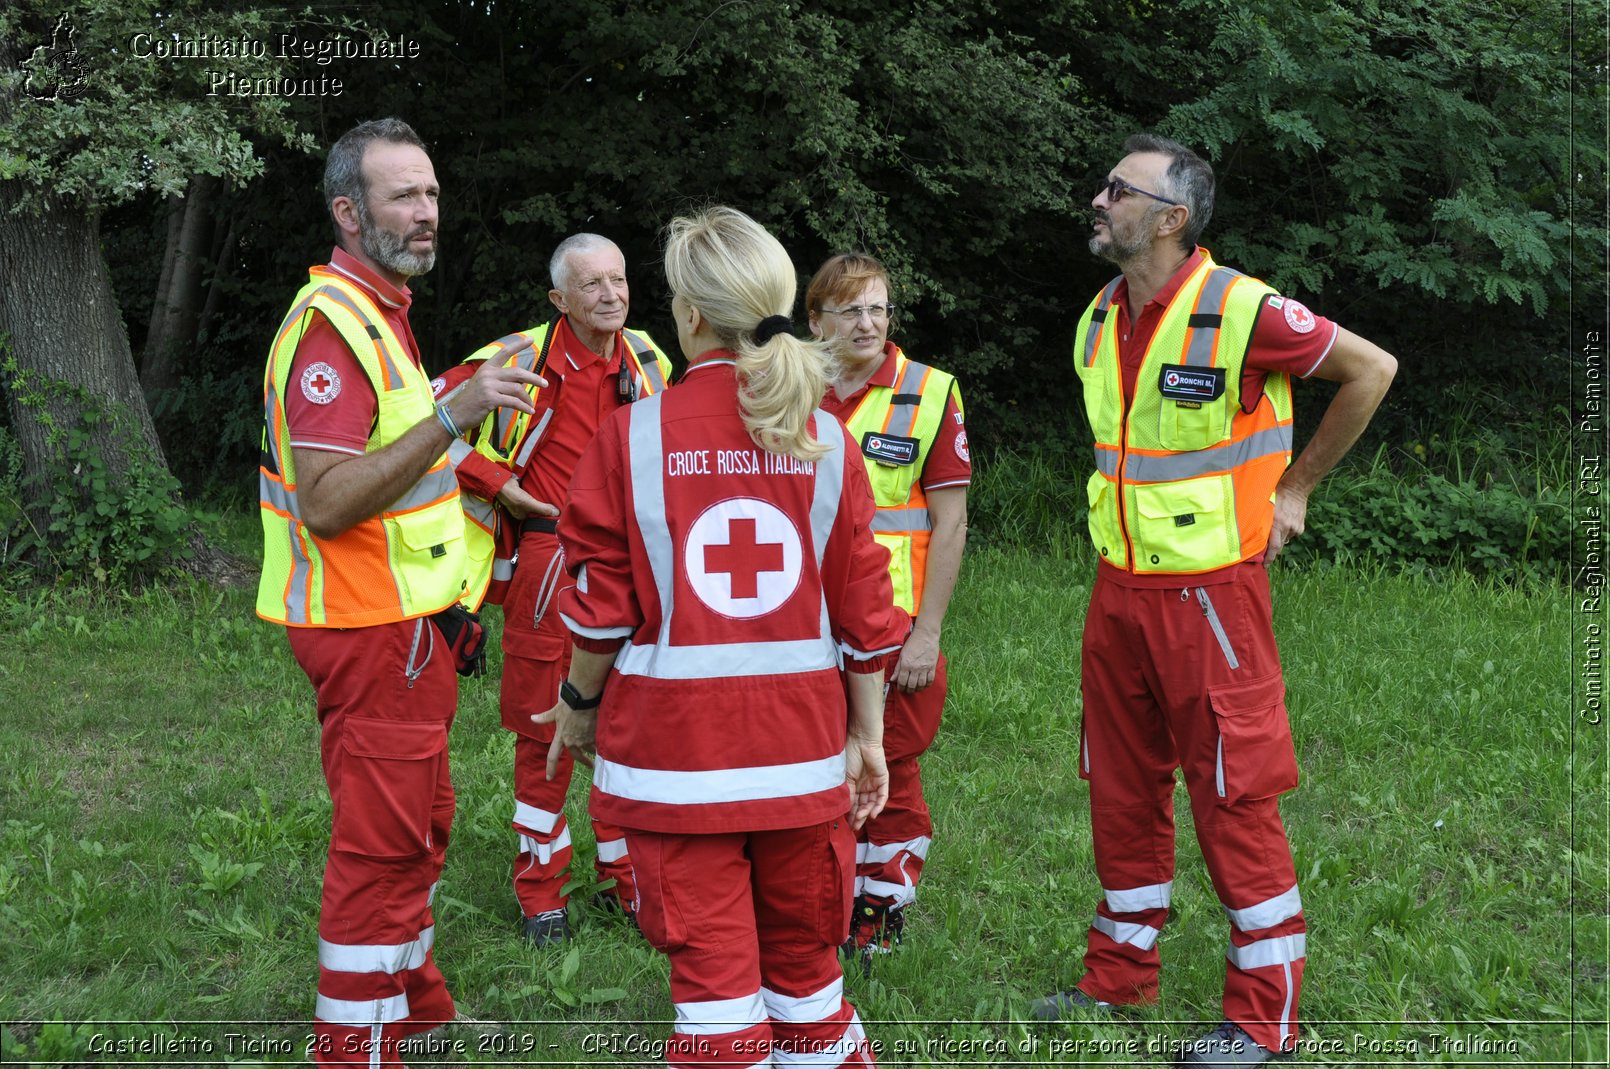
727, 584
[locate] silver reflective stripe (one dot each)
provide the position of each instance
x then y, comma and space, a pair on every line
805, 1009
647, 361
646, 456
734, 659
393, 372
363, 1013
902, 417
1218, 768
457, 450
1107, 461
274, 493
1268, 913
875, 853
1104, 301
432, 486
1281, 950
829, 484
1205, 340
391, 958
1141, 936
901, 521
532, 437
1217, 625
296, 589
479, 509
1217, 460
719, 1016
611, 850
711, 786
502, 569
1135, 899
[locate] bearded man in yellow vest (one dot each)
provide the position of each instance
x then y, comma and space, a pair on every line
1186, 372
363, 549
523, 461
907, 418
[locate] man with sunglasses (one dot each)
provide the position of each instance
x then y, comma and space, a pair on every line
1186, 372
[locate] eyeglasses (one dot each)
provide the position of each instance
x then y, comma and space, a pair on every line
1116, 188
876, 312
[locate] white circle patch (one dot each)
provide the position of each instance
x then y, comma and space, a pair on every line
961, 446
1299, 318
742, 557
320, 383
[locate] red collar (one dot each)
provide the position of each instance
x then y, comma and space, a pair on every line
343, 262
1170, 288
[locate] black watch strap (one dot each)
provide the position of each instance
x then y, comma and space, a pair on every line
573, 698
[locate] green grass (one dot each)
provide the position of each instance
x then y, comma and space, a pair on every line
163, 824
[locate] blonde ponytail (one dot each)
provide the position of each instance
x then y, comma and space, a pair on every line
737, 275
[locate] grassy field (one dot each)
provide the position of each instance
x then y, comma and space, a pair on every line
164, 825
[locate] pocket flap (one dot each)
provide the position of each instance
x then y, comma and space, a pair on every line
1180, 499
433, 526
396, 740
1253, 696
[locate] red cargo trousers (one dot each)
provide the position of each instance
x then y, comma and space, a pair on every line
1188, 676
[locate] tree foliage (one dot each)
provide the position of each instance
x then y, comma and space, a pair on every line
1409, 167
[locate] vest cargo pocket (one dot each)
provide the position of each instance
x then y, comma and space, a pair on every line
1181, 527
1104, 533
1255, 755
389, 772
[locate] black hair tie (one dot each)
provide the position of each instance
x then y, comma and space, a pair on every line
772, 326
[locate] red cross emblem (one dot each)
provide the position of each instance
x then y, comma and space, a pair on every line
743, 557
320, 383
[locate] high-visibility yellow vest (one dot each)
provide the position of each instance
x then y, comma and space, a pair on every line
896, 427
507, 437
409, 560
1185, 484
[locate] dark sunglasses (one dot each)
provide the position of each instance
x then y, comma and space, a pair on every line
1117, 187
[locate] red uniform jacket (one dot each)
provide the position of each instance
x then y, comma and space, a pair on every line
735, 584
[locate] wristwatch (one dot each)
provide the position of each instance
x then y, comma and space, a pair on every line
573, 698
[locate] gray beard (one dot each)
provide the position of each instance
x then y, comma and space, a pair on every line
389, 249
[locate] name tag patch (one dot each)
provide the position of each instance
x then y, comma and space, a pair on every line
891, 450
1180, 383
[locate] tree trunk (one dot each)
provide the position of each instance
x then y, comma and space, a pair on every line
220, 277
67, 337
177, 311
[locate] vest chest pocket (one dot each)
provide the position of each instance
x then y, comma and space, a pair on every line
1182, 527
1189, 425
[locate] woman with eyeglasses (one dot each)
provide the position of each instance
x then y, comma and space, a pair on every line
906, 419
720, 536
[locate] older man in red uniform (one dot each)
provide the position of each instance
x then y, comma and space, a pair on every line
594, 365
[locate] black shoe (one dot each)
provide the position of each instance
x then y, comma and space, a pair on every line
546, 929
1073, 1003
1227, 1047
609, 902
875, 928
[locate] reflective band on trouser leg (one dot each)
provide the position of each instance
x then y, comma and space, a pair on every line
892, 847
543, 833
614, 862
1263, 979
818, 1029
